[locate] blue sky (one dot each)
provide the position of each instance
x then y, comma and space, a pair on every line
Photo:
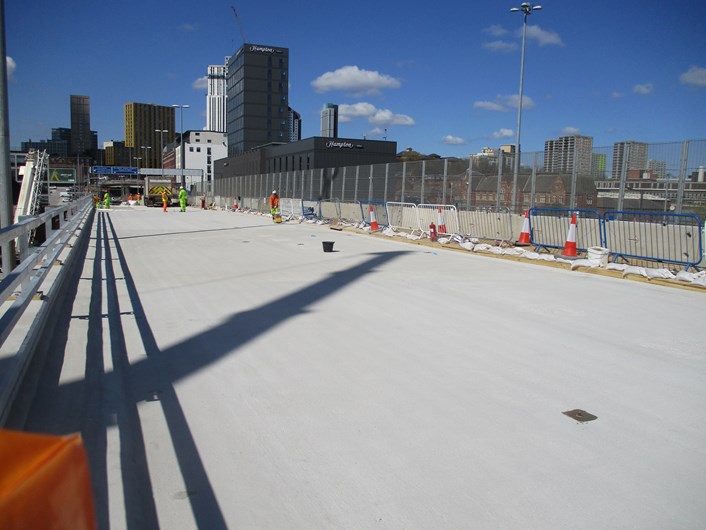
440, 78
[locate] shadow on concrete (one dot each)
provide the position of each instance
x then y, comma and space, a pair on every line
105, 398
162, 234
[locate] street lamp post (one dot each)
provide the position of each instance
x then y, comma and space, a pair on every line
526, 8
161, 147
181, 140
137, 161
144, 150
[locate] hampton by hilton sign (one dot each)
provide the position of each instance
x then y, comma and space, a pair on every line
342, 145
265, 49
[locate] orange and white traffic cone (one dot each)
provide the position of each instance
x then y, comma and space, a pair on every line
373, 222
442, 225
570, 245
525, 234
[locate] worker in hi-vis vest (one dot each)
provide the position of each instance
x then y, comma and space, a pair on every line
165, 201
182, 199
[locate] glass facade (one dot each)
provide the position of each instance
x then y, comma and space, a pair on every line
257, 97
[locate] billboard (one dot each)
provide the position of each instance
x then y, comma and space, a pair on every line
62, 175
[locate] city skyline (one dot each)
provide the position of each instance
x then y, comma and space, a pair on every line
438, 84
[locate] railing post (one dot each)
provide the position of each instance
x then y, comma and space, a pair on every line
387, 176
500, 178
404, 179
469, 182
446, 173
424, 173
682, 175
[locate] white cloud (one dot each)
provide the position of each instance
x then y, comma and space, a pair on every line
453, 140
496, 30
379, 117
616, 94
503, 133
514, 100
11, 67
357, 110
353, 80
387, 117
200, 83
543, 37
570, 131
505, 103
489, 105
696, 75
643, 89
499, 46
186, 27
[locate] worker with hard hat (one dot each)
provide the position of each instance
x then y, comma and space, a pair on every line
274, 207
182, 199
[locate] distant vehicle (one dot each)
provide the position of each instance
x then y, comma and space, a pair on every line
155, 186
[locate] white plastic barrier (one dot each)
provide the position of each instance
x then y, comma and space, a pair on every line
403, 215
444, 216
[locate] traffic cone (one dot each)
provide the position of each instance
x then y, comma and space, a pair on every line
525, 234
442, 224
373, 222
570, 245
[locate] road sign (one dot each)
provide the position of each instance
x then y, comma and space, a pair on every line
113, 170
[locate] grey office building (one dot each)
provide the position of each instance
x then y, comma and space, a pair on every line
329, 121
257, 97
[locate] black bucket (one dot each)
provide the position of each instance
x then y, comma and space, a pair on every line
328, 246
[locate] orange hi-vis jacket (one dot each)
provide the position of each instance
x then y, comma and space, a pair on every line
274, 201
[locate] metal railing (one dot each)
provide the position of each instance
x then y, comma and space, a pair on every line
19, 287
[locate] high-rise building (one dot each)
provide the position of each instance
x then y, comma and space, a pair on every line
216, 97
257, 97
329, 121
143, 121
657, 167
81, 139
560, 155
628, 156
294, 127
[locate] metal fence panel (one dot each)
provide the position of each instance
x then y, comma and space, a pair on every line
486, 223
444, 216
549, 227
330, 209
378, 208
669, 238
403, 215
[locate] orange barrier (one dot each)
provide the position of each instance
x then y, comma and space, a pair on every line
44, 482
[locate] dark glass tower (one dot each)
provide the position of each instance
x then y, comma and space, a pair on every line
258, 97
81, 139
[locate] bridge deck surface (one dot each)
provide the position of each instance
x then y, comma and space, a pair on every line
226, 373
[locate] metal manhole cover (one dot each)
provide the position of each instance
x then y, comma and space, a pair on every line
580, 415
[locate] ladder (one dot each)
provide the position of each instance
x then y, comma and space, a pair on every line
30, 192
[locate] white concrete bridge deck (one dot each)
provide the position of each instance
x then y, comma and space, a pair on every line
227, 373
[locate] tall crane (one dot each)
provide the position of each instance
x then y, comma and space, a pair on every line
240, 28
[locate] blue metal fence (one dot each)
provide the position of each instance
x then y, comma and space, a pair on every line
380, 210
661, 237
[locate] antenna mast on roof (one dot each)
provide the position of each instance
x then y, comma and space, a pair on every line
240, 28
